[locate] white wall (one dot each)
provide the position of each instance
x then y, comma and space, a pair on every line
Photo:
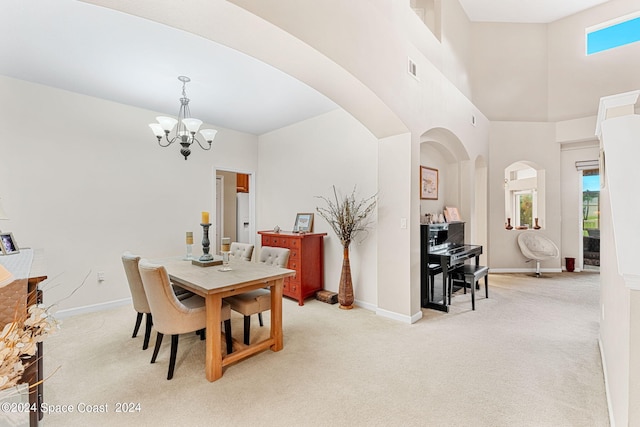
300, 162
509, 77
512, 142
576, 81
84, 179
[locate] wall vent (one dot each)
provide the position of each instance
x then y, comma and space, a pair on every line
412, 68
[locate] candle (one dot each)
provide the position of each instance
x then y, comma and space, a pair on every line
189, 237
226, 244
205, 217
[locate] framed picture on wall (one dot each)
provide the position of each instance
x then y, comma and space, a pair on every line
428, 183
304, 223
8, 245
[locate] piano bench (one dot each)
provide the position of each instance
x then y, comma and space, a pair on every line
472, 274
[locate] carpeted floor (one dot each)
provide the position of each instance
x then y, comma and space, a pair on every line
527, 356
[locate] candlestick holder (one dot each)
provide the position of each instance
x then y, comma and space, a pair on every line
206, 256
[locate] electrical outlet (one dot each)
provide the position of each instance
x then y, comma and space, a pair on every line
403, 223
100, 276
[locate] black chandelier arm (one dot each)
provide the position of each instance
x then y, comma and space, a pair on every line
169, 141
194, 138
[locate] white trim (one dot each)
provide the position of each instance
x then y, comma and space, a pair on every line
395, 316
612, 421
611, 22
92, 308
614, 101
389, 314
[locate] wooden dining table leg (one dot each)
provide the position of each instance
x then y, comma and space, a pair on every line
213, 345
276, 315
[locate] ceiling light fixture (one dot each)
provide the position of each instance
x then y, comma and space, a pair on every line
187, 126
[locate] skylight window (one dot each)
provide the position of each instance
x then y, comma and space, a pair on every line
611, 34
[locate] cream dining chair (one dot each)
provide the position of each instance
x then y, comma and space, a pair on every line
139, 298
243, 251
172, 316
255, 302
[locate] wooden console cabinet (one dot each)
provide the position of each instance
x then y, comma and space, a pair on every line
306, 258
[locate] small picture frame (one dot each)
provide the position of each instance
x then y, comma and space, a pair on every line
304, 223
428, 183
8, 244
451, 214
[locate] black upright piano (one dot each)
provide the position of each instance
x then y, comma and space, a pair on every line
442, 247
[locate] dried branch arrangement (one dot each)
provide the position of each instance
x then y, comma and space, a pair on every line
347, 216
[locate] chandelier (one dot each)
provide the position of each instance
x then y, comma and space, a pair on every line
187, 127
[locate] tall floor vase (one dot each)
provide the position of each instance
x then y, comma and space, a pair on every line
345, 290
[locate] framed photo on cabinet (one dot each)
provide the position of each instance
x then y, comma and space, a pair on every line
8, 244
304, 223
428, 183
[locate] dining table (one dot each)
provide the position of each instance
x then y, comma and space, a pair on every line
214, 284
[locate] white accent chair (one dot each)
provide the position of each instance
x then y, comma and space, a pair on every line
537, 247
172, 316
243, 251
259, 300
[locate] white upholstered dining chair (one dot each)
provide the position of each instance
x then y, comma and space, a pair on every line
255, 302
139, 297
243, 251
172, 316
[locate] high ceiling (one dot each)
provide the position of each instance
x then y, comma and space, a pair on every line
99, 52
524, 11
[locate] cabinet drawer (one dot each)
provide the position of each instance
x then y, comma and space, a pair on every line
294, 243
266, 241
294, 254
294, 264
279, 242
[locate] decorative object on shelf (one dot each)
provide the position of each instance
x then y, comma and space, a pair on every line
8, 244
304, 223
225, 249
347, 217
276, 229
428, 183
451, 214
441, 219
206, 256
187, 126
508, 225
536, 225
189, 255
522, 227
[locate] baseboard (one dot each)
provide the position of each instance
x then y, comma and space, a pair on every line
389, 314
524, 270
399, 317
612, 421
92, 308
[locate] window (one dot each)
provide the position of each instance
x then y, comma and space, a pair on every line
612, 34
523, 212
